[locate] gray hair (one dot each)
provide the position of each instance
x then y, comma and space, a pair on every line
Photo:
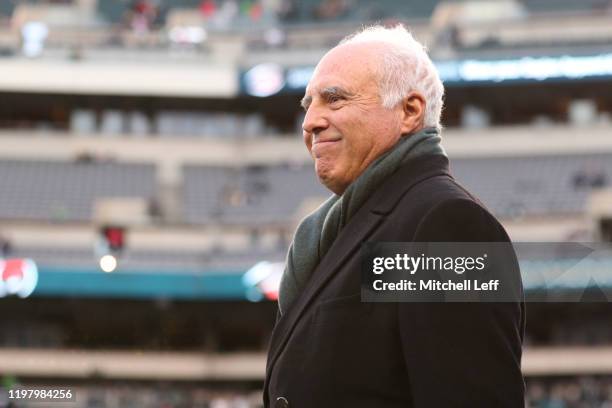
405, 55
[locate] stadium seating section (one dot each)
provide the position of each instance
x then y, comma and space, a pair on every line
516, 186
260, 195
250, 195
66, 191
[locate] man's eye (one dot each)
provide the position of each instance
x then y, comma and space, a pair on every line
334, 98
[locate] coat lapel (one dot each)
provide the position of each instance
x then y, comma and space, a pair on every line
349, 241
346, 244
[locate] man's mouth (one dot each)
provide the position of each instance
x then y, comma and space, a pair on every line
326, 141
319, 146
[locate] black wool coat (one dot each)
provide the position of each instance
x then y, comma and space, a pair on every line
331, 350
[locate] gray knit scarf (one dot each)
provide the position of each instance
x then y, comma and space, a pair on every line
318, 231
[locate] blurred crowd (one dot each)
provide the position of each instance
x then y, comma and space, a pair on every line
161, 396
565, 392
576, 392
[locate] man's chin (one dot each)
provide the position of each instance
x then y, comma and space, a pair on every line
331, 183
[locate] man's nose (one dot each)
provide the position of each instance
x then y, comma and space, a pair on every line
314, 121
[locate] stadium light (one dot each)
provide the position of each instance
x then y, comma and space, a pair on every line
262, 280
18, 276
108, 263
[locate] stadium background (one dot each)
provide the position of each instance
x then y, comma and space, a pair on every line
152, 173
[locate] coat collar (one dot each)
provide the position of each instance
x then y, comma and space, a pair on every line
349, 241
389, 194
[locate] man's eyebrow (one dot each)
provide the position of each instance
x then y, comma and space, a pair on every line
335, 91
306, 101
326, 93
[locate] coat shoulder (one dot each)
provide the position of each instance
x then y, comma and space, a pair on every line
431, 193
440, 209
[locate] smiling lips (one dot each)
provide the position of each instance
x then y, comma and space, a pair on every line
321, 144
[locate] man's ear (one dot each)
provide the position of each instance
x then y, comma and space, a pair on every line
413, 112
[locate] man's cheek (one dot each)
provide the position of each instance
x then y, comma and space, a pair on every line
308, 142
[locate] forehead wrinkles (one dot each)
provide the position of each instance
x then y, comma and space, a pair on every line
353, 76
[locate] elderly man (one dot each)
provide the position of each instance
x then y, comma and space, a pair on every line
372, 127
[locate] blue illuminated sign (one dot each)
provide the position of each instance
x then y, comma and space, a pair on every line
467, 71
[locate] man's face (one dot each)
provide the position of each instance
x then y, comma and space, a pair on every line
346, 127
